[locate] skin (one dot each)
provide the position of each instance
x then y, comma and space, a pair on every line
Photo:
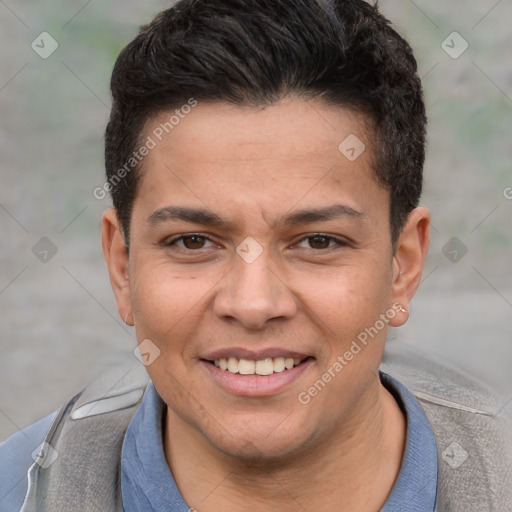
252, 167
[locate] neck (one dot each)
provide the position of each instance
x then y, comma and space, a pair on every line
335, 470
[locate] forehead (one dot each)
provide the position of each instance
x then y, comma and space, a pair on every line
270, 158
293, 125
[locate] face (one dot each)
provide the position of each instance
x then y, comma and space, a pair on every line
257, 244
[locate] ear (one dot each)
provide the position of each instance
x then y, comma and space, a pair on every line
116, 256
409, 260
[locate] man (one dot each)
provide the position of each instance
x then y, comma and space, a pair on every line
265, 163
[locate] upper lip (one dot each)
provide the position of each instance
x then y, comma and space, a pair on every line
253, 355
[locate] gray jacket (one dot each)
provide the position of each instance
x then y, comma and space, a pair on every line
473, 436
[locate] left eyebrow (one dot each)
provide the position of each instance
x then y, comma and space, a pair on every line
322, 215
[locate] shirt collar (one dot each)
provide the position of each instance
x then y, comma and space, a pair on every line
416, 485
147, 483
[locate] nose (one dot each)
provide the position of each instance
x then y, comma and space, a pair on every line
253, 294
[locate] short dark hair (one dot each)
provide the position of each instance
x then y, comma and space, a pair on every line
256, 52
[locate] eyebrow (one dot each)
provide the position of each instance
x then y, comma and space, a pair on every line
192, 215
207, 218
322, 215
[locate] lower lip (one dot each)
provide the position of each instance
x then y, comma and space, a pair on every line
256, 385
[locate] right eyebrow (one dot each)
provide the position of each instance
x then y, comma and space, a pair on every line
192, 215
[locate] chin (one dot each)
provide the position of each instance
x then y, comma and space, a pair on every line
259, 442
260, 452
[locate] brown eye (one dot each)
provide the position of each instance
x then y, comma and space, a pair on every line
193, 241
319, 242
189, 243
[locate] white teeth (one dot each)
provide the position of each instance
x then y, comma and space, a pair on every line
246, 367
279, 364
233, 365
266, 366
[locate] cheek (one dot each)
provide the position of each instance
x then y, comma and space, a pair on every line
163, 303
350, 307
346, 297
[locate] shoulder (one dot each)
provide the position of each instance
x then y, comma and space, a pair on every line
472, 428
433, 381
114, 390
16, 457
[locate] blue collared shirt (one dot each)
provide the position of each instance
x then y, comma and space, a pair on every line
148, 485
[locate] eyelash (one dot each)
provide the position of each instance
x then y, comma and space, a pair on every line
172, 242
339, 242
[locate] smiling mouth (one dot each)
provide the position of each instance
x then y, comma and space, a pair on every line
263, 367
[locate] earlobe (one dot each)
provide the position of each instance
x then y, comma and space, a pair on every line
116, 257
409, 260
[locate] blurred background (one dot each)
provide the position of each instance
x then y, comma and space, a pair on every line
59, 320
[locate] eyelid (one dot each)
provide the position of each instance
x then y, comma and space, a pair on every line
340, 241
172, 241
